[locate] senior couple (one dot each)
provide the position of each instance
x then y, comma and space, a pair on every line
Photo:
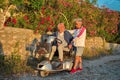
69, 39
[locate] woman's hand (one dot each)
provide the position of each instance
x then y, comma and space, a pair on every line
75, 39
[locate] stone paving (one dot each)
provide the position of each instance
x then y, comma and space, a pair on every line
93, 70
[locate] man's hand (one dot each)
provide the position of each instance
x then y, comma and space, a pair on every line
70, 46
58, 44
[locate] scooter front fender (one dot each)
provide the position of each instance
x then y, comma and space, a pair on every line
44, 65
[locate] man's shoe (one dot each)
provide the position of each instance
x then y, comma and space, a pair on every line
73, 71
79, 69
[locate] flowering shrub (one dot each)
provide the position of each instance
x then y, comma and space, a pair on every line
99, 22
10, 21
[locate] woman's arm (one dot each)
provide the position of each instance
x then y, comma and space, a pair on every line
71, 31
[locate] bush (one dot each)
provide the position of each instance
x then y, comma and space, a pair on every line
13, 64
99, 22
43, 15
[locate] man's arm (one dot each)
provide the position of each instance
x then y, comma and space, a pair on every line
68, 37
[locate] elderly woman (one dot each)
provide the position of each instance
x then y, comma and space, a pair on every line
79, 34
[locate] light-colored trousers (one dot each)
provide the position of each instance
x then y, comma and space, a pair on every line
60, 51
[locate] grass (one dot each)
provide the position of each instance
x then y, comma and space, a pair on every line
95, 53
13, 64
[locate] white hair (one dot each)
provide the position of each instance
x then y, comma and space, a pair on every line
77, 19
59, 25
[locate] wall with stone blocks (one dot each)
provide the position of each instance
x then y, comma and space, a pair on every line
94, 42
14, 40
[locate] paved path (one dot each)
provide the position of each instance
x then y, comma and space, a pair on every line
105, 68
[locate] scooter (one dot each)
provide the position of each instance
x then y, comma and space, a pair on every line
45, 67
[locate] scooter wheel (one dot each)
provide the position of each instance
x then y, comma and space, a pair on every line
44, 73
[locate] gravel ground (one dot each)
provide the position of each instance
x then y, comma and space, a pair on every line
105, 68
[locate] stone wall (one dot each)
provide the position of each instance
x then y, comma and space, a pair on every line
95, 42
14, 40
100, 43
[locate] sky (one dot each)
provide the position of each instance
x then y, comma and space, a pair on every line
112, 4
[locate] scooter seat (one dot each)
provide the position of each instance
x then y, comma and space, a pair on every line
55, 64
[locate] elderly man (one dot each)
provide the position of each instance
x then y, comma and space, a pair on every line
65, 37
